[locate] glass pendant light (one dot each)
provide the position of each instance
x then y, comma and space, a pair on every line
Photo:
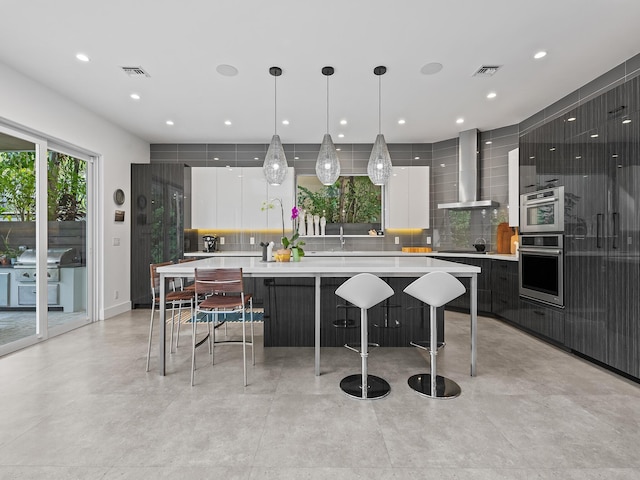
275, 163
379, 166
328, 164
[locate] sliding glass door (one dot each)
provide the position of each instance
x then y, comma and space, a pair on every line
46, 259
18, 321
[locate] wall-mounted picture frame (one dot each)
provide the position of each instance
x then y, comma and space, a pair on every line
119, 216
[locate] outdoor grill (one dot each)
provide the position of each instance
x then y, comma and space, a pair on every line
25, 267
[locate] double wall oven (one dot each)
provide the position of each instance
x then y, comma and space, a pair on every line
541, 265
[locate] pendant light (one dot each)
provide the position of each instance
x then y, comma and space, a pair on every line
379, 166
328, 164
275, 163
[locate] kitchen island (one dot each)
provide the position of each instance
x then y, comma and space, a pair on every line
406, 266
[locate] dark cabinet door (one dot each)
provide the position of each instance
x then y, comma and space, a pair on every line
504, 289
623, 259
587, 186
157, 228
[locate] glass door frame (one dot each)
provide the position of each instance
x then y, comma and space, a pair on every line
42, 145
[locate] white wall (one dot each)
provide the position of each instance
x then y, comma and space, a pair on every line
27, 103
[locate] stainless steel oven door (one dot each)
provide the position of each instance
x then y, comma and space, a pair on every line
542, 211
541, 275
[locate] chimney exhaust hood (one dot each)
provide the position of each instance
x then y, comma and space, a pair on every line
468, 174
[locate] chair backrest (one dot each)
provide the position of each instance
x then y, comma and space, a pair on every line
219, 281
436, 288
364, 290
155, 276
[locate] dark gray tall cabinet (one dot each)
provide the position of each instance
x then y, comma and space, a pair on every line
599, 166
157, 221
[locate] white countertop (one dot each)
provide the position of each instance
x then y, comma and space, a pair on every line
398, 266
359, 253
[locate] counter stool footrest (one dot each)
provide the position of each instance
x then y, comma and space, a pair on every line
426, 345
357, 350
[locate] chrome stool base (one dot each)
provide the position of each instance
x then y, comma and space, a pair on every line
376, 387
444, 387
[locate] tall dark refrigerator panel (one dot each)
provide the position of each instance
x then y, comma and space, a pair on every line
157, 222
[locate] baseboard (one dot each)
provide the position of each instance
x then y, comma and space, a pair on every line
115, 310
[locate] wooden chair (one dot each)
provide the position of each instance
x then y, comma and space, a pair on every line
174, 298
219, 292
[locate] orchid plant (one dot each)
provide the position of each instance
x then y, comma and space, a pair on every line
294, 241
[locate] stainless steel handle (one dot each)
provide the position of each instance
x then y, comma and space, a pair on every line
599, 218
616, 228
541, 200
549, 251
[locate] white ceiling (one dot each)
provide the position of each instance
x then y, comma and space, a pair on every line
181, 42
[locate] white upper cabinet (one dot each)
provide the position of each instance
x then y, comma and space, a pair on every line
232, 198
407, 198
203, 197
228, 196
254, 193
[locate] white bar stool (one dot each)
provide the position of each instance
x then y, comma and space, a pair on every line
364, 291
435, 289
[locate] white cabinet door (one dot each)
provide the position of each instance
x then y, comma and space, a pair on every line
229, 199
285, 192
254, 194
203, 197
407, 198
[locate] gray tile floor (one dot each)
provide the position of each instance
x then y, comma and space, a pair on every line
81, 406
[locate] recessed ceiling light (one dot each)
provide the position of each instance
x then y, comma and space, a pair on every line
540, 54
82, 57
256, 158
571, 119
443, 165
594, 135
216, 158
416, 158
341, 135
296, 158
227, 70
343, 122
227, 122
338, 149
285, 122
135, 96
431, 68
491, 95
401, 121
578, 157
169, 122
488, 142
531, 158
628, 120
460, 120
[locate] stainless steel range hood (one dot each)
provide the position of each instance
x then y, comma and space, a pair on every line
468, 174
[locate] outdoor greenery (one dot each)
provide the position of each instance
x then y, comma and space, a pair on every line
352, 199
66, 182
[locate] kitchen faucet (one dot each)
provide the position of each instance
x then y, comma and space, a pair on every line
342, 240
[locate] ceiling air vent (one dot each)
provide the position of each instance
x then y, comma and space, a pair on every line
135, 71
486, 71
